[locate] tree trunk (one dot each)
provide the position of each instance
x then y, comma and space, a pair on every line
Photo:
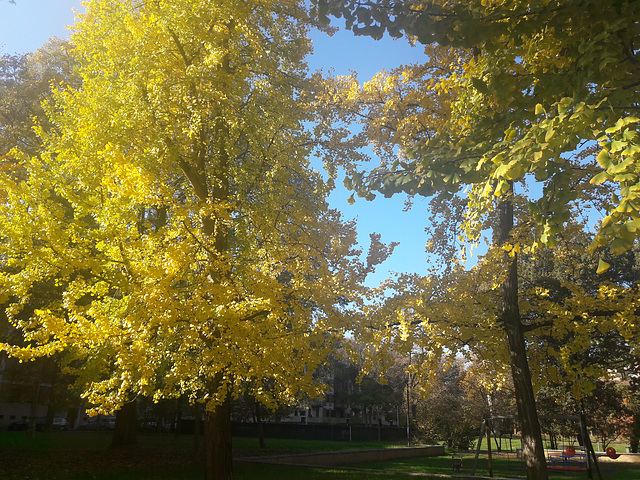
48, 422
210, 153
489, 457
217, 434
532, 447
72, 417
126, 430
35, 401
196, 427
178, 418
259, 422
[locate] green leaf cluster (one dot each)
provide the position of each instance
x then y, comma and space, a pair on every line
537, 88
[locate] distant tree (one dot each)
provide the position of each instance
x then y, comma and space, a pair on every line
633, 396
25, 86
606, 411
26, 82
442, 414
372, 397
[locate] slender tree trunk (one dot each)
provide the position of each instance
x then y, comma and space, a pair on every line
490, 459
532, 447
178, 418
217, 434
35, 400
126, 430
48, 422
259, 422
196, 427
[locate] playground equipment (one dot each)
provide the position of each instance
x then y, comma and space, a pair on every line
611, 453
567, 460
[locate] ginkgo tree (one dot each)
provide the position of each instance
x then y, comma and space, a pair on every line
405, 108
534, 86
542, 92
577, 331
25, 82
174, 206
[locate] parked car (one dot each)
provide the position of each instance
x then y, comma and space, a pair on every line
23, 425
60, 423
104, 423
19, 426
152, 425
109, 423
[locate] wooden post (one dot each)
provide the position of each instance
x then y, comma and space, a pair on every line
475, 462
588, 447
488, 430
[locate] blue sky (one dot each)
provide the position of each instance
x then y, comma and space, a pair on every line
28, 24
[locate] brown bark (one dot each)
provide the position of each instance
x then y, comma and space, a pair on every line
126, 430
196, 427
177, 419
259, 422
33, 409
532, 447
217, 434
35, 399
490, 459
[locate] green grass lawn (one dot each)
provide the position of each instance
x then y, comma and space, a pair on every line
508, 466
86, 456
101, 440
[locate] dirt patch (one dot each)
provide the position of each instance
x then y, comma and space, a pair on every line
347, 457
623, 458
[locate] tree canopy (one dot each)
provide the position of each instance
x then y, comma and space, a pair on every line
174, 206
528, 95
169, 204
536, 91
